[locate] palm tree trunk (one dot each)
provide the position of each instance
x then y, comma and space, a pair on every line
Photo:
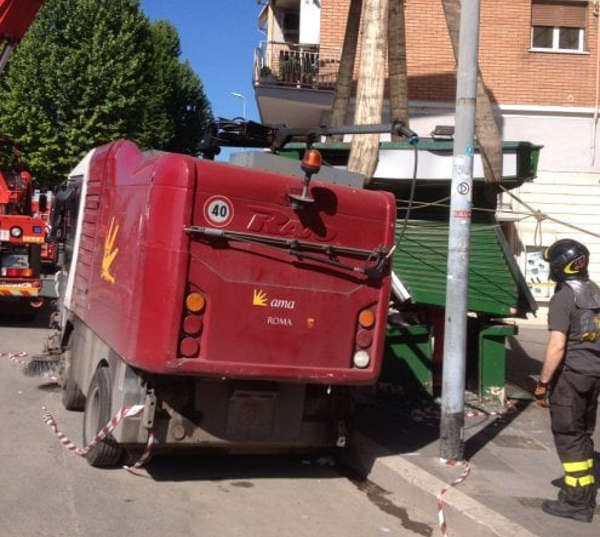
397, 63
369, 94
486, 128
343, 86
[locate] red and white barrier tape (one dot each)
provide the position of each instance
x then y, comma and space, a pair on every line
15, 357
144, 458
457, 481
124, 412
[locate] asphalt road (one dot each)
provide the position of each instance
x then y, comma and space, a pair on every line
47, 491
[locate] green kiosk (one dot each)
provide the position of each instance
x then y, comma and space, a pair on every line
497, 288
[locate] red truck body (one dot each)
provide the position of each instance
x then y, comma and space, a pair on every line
239, 314
268, 313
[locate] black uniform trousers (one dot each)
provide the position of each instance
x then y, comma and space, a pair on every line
573, 405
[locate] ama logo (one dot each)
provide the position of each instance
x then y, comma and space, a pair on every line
259, 298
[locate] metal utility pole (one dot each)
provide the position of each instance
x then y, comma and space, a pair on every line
459, 238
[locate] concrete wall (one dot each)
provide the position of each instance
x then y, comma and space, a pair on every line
277, 35
570, 197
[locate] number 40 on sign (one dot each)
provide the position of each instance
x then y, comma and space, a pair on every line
218, 210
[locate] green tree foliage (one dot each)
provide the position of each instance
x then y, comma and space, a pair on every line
177, 109
92, 71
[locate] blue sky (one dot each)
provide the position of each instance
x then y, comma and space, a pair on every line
218, 38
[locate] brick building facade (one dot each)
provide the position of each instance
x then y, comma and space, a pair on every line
514, 73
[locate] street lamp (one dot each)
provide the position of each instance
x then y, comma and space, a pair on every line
243, 98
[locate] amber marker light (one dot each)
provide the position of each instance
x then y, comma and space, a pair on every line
195, 302
311, 163
366, 319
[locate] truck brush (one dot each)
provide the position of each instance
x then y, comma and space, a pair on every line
41, 365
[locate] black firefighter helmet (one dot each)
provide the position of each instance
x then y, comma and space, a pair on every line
568, 260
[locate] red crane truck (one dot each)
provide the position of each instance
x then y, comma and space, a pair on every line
15, 18
238, 306
22, 232
22, 235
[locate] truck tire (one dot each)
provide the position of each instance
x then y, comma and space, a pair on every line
72, 396
97, 414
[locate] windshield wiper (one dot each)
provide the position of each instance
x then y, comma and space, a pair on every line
375, 260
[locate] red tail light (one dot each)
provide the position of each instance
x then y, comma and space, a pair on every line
189, 347
192, 324
18, 272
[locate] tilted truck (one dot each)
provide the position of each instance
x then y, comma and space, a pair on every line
239, 306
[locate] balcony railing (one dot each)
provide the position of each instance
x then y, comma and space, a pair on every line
292, 64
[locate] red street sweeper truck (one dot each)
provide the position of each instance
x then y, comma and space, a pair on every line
239, 306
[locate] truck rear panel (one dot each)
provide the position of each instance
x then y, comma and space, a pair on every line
192, 267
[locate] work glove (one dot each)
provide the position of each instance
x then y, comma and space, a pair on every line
542, 392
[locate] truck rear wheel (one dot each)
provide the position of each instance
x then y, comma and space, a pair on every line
97, 415
72, 396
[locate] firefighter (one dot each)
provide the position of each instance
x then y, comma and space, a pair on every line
570, 377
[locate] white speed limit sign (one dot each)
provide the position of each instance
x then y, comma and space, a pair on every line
218, 210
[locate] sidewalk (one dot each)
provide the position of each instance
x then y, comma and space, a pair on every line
512, 459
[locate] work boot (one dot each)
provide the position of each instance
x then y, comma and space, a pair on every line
567, 510
589, 497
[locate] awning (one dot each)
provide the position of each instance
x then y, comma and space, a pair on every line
496, 285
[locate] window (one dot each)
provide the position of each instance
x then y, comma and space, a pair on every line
557, 38
291, 27
558, 25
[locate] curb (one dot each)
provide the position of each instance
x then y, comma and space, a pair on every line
417, 489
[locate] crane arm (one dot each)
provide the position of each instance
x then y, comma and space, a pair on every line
15, 18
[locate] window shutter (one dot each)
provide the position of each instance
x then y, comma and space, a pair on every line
570, 14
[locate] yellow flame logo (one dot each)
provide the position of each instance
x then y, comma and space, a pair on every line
110, 252
259, 298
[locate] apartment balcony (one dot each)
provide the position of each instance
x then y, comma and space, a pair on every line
294, 83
